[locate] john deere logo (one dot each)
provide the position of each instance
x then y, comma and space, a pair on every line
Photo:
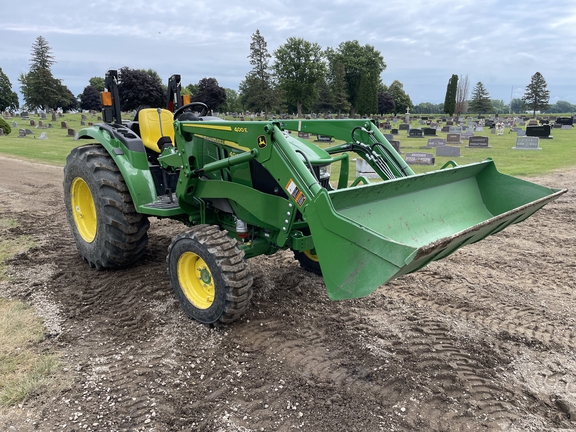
262, 141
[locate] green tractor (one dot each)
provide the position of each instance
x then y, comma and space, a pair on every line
247, 188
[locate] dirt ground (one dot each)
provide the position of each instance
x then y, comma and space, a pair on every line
483, 340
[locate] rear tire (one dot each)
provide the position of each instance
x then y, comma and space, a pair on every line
209, 275
108, 231
308, 261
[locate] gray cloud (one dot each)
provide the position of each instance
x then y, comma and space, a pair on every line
500, 43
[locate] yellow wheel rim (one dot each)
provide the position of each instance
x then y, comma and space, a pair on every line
196, 280
83, 209
311, 256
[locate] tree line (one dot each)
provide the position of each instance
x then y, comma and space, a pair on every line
299, 76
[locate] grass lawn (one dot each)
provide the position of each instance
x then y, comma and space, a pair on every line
556, 153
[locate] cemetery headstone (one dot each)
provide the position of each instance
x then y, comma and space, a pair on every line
395, 144
566, 127
429, 131
28, 132
404, 126
63, 125
455, 129
90, 124
448, 151
453, 138
43, 136
82, 123
542, 131
394, 131
21, 133
71, 132
53, 116
323, 138
43, 115
420, 158
364, 169
24, 115
527, 143
49, 125
436, 142
32, 123
445, 129
415, 133
303, 135
521, 132
14, 124
479, 128
478, 142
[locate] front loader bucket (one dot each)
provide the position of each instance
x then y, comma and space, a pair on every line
367, 235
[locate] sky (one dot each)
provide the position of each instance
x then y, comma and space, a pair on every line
500, 43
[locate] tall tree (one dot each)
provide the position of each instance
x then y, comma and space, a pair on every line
386, 103
537, 96
90, 99
324, 101
232, 103
450, 98
8, 98
97, 83
258, 89
462, 96
38, 86
516, 105
299, 66
480, 102
368, 95
210, 93
402, 100
338, 87
356, 60
137, 88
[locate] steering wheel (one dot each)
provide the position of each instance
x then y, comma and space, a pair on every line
188, 107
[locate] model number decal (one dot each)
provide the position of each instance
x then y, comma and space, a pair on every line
241, 129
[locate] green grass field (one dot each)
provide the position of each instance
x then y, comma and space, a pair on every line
556, 153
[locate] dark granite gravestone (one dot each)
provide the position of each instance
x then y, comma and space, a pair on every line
29, 132
71, 132
415, 133
53, 116
453, 138
527, 143
542, 131
63, 125
32, 123
420, 158
436, 142
565, 120
445, 129
303, 135
448, 151
24, 115
404, 126
395, 144
394, 131
478, 142
429, 131
323, 138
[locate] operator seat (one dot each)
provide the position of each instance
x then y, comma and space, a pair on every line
156, 128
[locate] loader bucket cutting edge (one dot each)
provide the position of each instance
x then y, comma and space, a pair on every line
368, 235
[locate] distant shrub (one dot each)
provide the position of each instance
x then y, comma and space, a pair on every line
5, 126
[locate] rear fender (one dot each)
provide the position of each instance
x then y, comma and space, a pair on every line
129, 154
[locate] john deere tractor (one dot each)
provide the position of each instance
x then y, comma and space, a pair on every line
247, 188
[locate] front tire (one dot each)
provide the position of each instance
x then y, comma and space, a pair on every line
309, 261
108, 231
209, 275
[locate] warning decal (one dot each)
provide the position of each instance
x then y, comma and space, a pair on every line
295, 193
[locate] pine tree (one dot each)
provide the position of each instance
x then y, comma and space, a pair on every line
38, 86
537, 96
257, 91
480, 102
450, 99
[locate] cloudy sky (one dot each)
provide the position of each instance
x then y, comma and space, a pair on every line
500, 43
